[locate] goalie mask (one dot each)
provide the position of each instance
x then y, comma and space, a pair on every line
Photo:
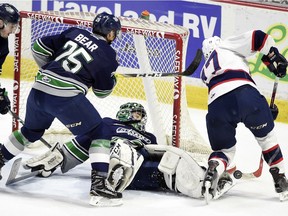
133, 114
209, 45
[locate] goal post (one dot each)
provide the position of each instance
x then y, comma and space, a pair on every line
145, 47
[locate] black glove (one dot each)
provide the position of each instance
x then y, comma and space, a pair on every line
274, 111
4, 102
281, 63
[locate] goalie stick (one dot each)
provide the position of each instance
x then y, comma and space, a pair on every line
22, 122
188, 72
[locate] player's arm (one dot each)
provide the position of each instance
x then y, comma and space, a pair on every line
105, 91
103, 70
274, 60
43, 49
41, 53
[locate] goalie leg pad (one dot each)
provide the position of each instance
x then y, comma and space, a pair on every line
47, 162
124, 164
69, 161
179, 165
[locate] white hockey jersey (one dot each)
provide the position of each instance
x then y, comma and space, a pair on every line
227, 67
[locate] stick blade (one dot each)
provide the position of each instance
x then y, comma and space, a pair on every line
194, 65
14, 171
258, 172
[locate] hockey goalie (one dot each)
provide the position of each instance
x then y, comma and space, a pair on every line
136, 161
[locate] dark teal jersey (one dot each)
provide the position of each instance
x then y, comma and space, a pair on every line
77, 60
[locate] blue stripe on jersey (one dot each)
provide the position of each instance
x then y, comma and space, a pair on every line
258, 40
228, 76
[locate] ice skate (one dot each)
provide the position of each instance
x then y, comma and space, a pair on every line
210, 181
225, 183
102, 193
280, 183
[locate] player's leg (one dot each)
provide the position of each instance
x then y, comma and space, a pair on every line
77, 114
70, 155
81, 118
36, 121
221, 121
261, 124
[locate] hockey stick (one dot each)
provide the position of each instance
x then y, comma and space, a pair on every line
14, 172
238, 174
22, 122
188, 72
275, 86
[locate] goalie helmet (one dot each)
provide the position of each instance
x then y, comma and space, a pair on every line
209, 45
133, 114
105, 23
9, 14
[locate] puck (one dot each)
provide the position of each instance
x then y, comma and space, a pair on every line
237, 174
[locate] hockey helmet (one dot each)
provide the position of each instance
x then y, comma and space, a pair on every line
129, 114
209, 45
9, 14
105, 23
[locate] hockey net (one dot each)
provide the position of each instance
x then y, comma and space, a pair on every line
145, 47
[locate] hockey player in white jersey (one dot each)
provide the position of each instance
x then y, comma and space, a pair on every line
233, 98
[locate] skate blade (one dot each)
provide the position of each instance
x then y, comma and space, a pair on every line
226, 188
104, 202
283, 196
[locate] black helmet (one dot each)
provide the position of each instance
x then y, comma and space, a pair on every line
9, 14
105, 23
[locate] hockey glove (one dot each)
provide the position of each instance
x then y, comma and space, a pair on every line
274, 111
46, 163
279, 69
4, 101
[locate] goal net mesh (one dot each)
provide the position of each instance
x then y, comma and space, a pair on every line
145, 47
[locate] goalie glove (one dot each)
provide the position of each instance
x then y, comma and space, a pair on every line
279, 69
46, 163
